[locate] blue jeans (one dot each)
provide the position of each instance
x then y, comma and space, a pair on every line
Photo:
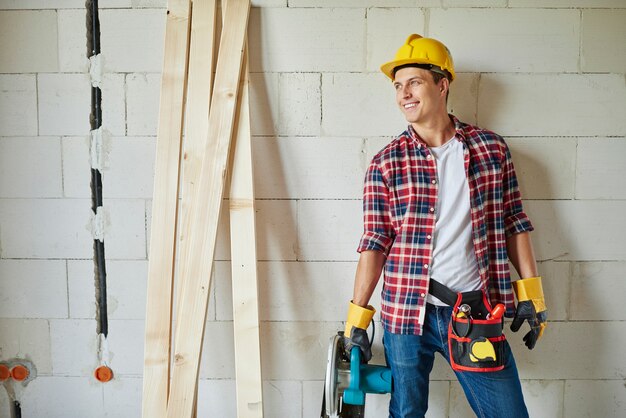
411, 358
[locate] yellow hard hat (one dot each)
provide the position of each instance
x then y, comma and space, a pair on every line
419, 50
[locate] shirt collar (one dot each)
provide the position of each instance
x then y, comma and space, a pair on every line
460, 134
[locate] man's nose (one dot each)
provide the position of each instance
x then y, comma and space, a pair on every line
406, 92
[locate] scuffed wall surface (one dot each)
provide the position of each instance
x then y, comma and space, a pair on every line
548, 75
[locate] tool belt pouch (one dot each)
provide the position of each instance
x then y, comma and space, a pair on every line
476, 343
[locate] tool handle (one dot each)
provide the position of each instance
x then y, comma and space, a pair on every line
496, 312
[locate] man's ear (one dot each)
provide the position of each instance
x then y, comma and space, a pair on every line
444, 85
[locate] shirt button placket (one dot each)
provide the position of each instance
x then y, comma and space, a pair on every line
431, 210
433, 180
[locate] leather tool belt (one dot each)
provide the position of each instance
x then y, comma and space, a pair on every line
475, 338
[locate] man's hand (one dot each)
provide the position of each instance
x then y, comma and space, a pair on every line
355, 333
531, 307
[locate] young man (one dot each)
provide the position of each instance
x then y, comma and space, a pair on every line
442, 201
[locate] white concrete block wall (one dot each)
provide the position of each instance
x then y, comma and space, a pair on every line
542, 110
320, 39
368, 94
18, 104
132, 40
27, 338
25, 50
594, 164
546, 169
142, 103
600, 27
63, 107
288, 103
549, 75
126, 289
72, 48
507, 40
389, 26
25, 294
30, 167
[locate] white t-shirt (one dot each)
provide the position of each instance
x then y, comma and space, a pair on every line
453, 260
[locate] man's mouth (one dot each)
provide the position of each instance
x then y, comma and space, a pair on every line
411, 105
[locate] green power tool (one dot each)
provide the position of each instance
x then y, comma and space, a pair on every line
348, 380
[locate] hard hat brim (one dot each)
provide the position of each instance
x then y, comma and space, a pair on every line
388, 67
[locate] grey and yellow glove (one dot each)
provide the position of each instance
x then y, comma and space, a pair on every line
531, 306
355, 333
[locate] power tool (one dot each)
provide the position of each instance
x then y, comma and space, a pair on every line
349, 379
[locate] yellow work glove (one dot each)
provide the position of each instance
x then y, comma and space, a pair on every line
355, 333
531, 306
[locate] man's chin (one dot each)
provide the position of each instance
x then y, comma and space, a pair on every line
412, 118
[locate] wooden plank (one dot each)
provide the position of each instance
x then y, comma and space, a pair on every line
200, 83
249, 383
201, 65
158, 329
197, 262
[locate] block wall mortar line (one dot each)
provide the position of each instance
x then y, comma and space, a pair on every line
366, 38
321, 104
476, 111
576, 170
146, 202
448, 405
321, 77
297, 222
563, 403
364, 55
571, 269
580, 41
61, 141
126, 104
37, 102
67, 288
58, 18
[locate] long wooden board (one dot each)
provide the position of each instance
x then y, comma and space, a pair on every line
197, 262
156, 373
249, 383
201, 66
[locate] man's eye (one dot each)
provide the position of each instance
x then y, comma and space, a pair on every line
414, 83
397, 86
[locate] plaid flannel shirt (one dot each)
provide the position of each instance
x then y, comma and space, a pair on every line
399, 202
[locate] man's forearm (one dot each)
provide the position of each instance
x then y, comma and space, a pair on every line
368, 272
520, 250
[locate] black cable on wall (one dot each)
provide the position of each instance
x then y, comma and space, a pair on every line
95, 119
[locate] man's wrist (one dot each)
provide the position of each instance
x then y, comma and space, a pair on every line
359, 317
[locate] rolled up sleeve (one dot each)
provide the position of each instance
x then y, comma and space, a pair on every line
515, 219
378, 232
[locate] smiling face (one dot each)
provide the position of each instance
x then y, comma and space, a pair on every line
417, 94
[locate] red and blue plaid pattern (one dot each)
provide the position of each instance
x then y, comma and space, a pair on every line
399, 201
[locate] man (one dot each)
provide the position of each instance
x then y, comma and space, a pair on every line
442, 201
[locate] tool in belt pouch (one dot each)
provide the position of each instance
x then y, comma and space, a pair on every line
475, 338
